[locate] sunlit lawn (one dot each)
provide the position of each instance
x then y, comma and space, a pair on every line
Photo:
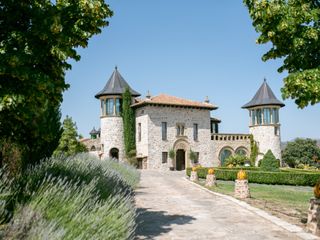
292, 201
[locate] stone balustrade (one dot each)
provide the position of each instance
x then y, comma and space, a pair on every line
229, 137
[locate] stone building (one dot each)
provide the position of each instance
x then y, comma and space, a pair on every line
166, 124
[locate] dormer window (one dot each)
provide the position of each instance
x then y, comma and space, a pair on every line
180, 129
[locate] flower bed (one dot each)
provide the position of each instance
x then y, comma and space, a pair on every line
80, 197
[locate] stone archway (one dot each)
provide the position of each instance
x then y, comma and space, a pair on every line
181, 148
114, 153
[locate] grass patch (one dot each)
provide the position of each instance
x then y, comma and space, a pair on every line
288, 202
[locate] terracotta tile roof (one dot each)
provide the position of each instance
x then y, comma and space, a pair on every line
164, 99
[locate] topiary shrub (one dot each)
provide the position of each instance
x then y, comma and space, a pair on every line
269, 162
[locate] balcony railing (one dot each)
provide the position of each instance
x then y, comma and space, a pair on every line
229, 137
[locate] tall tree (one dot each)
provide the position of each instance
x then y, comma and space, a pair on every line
293, 28
68, 143
37, 39
128, 116
302, 151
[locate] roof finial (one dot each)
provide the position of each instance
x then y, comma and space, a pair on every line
116, 67
148, 96
264, 79
207, 100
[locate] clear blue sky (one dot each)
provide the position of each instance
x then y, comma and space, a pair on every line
190, 49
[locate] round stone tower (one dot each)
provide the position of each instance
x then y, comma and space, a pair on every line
264, 121
111, 136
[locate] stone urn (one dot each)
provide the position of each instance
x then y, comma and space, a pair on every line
241, 189
194, 175
313, 224
211, 180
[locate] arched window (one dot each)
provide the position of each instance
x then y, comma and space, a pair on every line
241, 151
93, 148
224, 154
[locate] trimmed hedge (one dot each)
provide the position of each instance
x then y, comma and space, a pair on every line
256, 176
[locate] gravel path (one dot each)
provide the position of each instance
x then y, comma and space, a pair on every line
171, 208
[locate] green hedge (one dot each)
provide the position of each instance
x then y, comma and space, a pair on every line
256, 176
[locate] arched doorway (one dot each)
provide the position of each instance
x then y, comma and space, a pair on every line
114, 153
180, 160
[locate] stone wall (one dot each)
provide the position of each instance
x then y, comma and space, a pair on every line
267, 137
153, 145
112, 136
142, 146
231, 142
92, 145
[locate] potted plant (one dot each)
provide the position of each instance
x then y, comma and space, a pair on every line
172, 155
193, 157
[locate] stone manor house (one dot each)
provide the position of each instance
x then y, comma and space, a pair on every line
166, 123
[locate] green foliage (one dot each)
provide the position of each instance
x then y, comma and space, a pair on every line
79, 197
269, 162
193, 156
254, 151
128, 116
132, 158
236, 160
172, 154
299, 178
17, 152
302, 151
68, 143
38, 39
293, 28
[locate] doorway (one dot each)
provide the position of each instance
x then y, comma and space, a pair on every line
181, 160
114, 153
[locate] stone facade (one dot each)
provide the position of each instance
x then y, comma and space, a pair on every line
112, 136
267, 137
93, 145
150, 118
183, 118
232, 142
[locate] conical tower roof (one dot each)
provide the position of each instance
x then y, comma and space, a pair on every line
93, 131
264, 96
116, 86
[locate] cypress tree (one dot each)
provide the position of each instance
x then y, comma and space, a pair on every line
68, 143
128, 116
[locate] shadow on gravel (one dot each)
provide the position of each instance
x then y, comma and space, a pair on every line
152, 224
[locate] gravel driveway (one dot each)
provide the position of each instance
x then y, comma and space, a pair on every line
171, 208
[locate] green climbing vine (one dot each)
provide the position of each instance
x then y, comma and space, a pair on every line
128, 116
254, 151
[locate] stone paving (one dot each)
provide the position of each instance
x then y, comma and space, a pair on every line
171, 208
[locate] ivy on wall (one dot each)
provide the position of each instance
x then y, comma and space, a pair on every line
254, 151
128, 117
